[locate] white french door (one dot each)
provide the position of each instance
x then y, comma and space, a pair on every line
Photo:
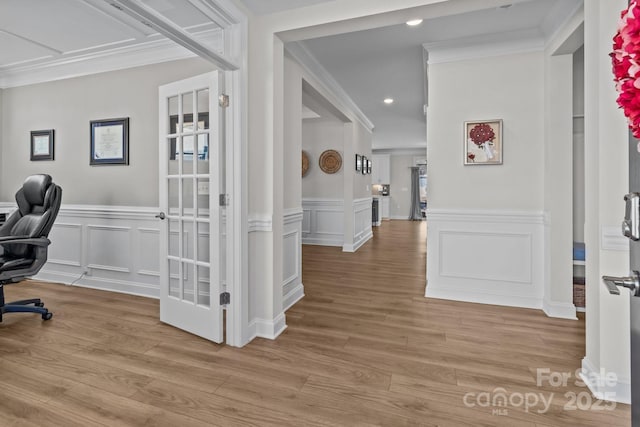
192, 264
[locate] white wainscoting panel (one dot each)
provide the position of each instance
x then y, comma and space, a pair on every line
323, 222
362, 224
292, 287
491, 257
116, 246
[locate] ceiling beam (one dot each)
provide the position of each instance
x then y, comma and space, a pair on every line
152, 18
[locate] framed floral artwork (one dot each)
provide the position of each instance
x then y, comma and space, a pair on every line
483, 143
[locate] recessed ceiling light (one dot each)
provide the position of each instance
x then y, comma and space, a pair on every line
414, 22
388, 101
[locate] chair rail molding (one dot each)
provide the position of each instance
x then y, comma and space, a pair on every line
260, 222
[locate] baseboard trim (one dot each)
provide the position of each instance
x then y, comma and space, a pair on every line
322, 242
359, 243
598, 385
560, 310
482, 298
293, 296
110, 285
269, 329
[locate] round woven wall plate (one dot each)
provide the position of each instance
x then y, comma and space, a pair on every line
330, 161
305, 163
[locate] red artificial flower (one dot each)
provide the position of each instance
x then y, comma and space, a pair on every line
481, 133
625, 59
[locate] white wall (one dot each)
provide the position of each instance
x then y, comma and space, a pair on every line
400, 198
318, 135
67, 106
489, 88
606, 165
292, 287
494, 210
578, 146
362, 145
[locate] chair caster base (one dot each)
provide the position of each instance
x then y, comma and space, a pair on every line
39, 304
47, 316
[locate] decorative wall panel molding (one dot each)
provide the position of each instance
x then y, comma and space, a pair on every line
492, 257
115, 246
362, 224
292, 287
323, 222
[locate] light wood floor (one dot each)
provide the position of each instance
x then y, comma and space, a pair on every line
364, 347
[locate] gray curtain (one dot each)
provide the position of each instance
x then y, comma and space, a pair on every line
416, 213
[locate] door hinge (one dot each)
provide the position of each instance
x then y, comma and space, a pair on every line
223, 100
224, 200
225, 298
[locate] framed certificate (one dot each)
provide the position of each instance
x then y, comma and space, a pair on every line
42, 144
110, 142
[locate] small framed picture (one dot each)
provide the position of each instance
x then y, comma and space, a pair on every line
363, 168
42, 144
358, 162
109, 142
369, 163
483, 142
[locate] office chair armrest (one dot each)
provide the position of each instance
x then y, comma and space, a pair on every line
26, 240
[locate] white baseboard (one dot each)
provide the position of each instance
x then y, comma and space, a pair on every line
560, 310
581, 309
400, 217
601, 388
352, 248
269, 329
482, 298
112, 285
322, 242
294, 295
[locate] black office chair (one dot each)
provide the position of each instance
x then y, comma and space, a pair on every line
23, 238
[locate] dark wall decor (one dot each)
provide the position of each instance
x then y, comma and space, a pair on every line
42, 144
109, 142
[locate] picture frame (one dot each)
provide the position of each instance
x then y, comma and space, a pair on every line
358, 162
364, 165
369, 164
42, 144
482, 142
109, 142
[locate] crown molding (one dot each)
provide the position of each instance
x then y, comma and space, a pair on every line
299, 52
135, 55
488, 45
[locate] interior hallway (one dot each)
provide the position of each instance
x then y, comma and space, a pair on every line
363, 347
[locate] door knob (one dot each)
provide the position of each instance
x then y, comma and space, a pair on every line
632, 283
161, 215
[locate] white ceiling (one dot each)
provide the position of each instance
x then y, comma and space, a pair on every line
36, 36
388, 62
265, 7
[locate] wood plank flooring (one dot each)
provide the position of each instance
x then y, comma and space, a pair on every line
364, 347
